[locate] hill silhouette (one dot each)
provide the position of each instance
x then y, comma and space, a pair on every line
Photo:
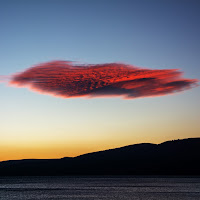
177, 157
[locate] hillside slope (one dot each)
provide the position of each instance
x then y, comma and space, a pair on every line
178, 157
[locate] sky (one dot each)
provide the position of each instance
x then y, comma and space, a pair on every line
147, 34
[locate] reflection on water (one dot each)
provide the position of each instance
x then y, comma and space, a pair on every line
101, 187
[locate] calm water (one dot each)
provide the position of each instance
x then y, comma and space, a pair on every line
107, 188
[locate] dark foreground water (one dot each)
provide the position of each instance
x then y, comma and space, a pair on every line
105, 188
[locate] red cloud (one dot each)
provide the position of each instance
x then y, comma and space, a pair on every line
4, 78
66, 80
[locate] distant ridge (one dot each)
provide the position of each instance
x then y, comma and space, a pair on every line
177, 157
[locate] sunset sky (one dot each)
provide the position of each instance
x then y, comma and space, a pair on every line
145, 34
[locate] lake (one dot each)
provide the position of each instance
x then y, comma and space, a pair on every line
100, 187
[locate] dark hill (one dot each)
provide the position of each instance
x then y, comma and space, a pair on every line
178, 157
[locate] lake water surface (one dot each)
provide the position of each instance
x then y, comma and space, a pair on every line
100, 188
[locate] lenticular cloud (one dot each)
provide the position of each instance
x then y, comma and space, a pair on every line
66, 79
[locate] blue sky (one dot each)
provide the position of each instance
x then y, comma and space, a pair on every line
146, 33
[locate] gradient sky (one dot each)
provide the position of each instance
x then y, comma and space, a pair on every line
157, 34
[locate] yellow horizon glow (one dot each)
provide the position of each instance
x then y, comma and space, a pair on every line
56, 128
72, 149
